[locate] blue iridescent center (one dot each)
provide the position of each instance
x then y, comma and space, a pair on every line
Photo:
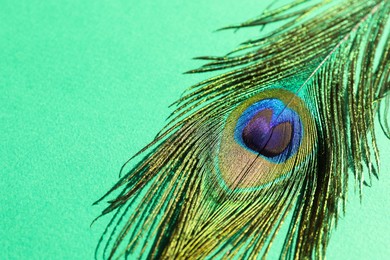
270, 129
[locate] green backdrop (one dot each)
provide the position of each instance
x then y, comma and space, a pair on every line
84, 85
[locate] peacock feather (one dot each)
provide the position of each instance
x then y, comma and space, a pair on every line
273, 140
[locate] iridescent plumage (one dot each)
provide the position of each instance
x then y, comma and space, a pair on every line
275, 136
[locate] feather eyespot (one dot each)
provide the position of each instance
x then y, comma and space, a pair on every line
263, 140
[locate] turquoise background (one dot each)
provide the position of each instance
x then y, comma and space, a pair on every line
84, 85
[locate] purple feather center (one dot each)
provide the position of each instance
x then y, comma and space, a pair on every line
265, 138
